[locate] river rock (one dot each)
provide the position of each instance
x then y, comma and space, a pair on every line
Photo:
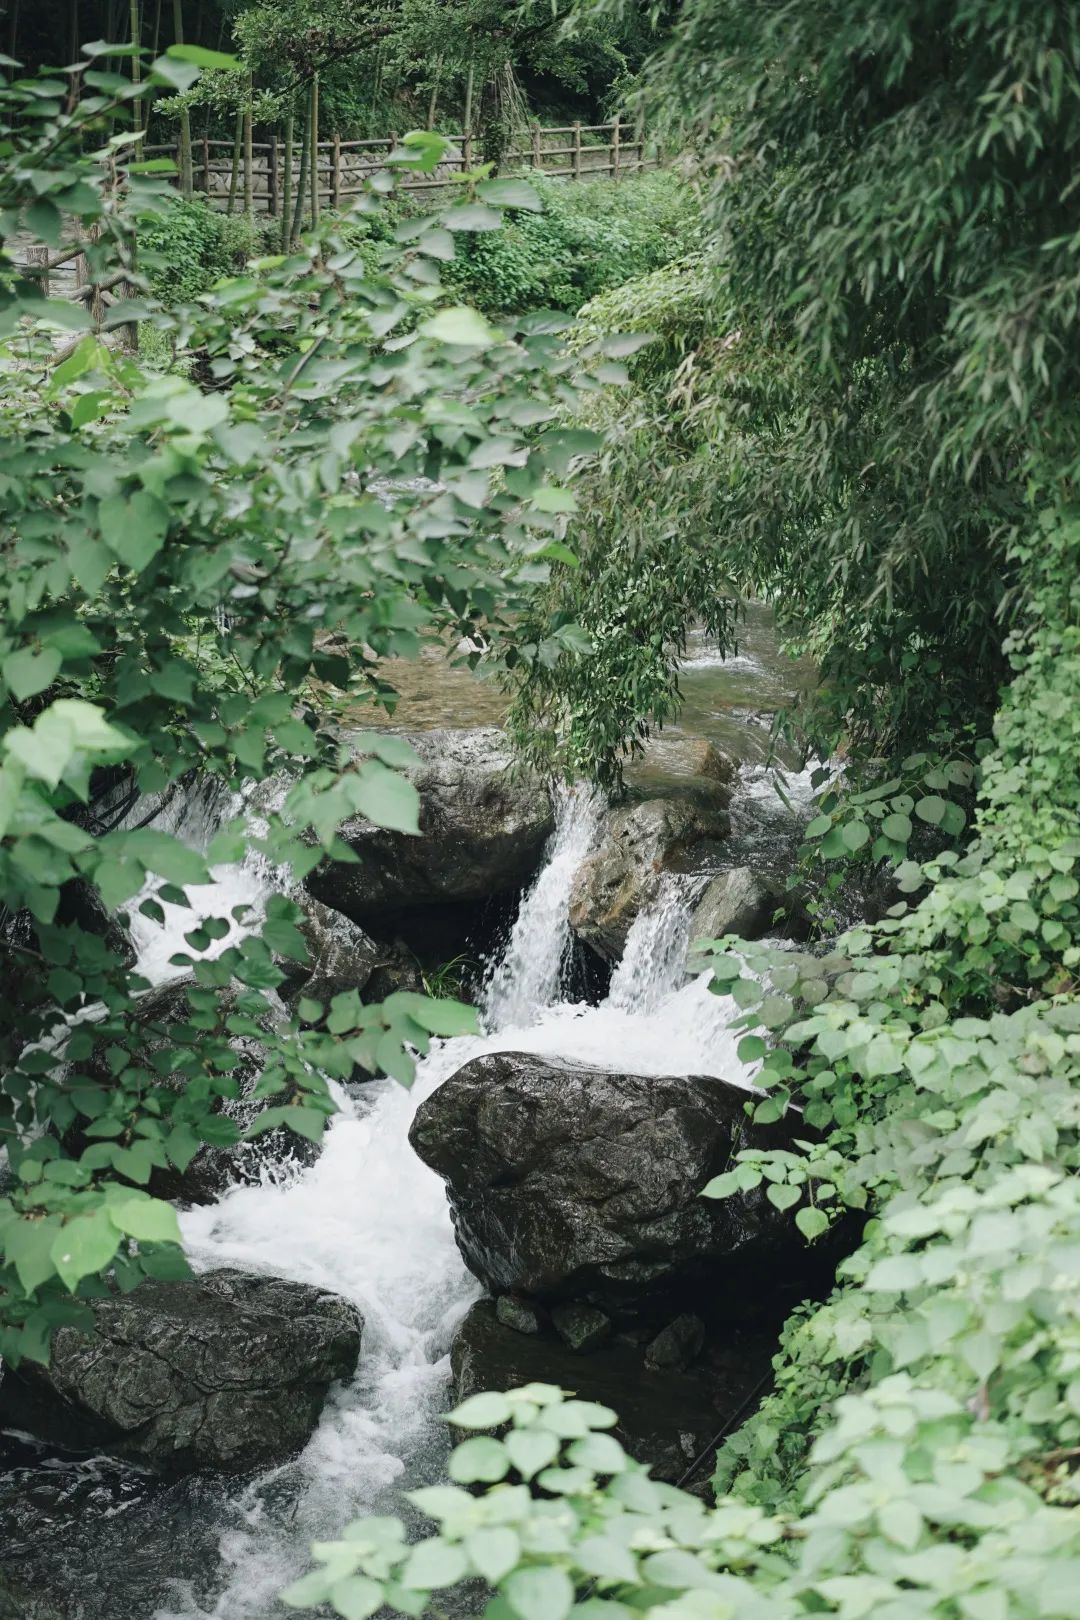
226, 1372
341, 957
670, 766
484, 823
638, 844
574, 1183
734, 902
677, 1345
666, 1422
163, 1017
517, 1314
581, 1328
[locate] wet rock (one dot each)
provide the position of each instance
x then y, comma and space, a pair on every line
342, 956
668, 1423
637, 845
164, 1020
94, 1537
19, 1602
226, 1372
674, 766
573, 1183
483, 827
517, 1314
677, 1345
734, 902
581, 1328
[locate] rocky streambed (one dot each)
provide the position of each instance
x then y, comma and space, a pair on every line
529, 1211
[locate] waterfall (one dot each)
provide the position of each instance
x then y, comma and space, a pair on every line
654, 961
370, 1222
529, 975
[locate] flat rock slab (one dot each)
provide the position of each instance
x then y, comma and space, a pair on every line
226, 1372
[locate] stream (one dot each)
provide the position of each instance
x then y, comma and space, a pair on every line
370, 1222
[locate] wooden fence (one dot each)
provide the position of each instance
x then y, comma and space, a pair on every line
258, 173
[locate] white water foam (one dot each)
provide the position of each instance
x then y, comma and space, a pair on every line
370, 1222
237, 892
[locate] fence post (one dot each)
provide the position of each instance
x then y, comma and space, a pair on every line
286, 212
315, 149
577, 149
38, 256
336, 182
537, 152
616, 132
272, 175
206, 165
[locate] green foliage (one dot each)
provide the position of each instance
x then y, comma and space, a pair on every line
873, 411
189, 246
588, 238
605, 1542
190, 566
649, 573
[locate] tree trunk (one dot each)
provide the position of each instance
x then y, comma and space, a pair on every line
136, 64
287, 205
234, 177
249, 178
305, 142
433, 100
466, 117
314, 143
187, 178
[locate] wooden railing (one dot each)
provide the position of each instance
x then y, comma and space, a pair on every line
229, 177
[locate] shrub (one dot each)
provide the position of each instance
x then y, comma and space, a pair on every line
590, 237
190, 246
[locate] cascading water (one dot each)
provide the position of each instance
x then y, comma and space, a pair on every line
653, 964
530, 973
236, 891
369, 1221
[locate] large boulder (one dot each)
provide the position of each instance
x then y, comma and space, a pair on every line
227, 1372
734, 902
667, 1419
483, 825
638, 844
569, 1182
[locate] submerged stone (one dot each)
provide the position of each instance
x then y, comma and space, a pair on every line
668, 1423
677, 1345
517, 1314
